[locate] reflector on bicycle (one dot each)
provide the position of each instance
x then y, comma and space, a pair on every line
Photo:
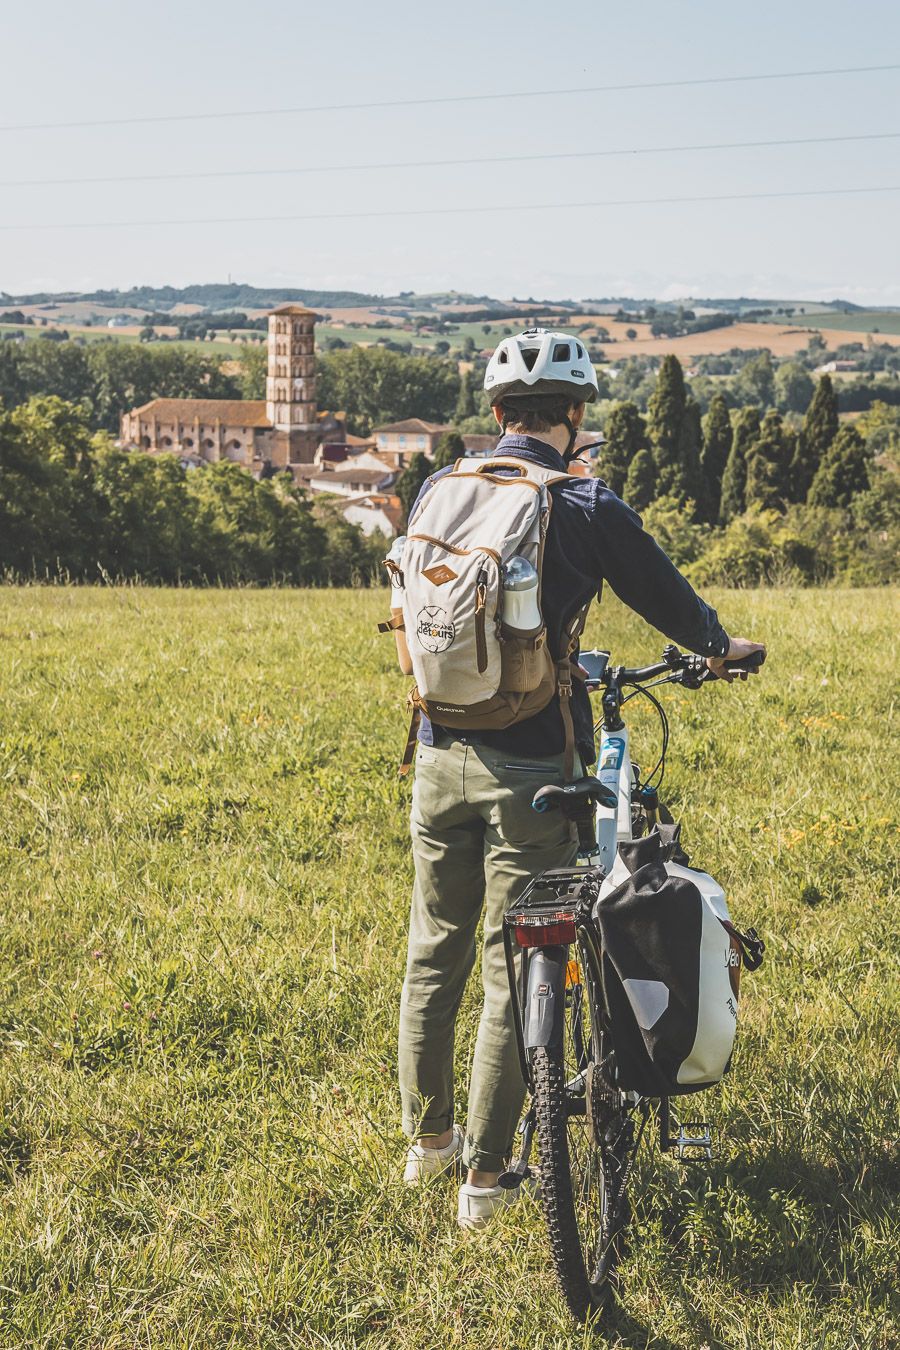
548, 930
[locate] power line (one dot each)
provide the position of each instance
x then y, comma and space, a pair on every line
441, 163
452, 98
445, 210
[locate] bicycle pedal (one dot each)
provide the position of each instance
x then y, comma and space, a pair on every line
693, 1143
511, 1179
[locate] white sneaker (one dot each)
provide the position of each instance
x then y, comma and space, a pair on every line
430, 1162
479, 1204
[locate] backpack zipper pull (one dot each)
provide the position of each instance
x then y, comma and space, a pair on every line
481, 590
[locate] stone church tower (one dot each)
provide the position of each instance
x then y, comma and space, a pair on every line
291, 385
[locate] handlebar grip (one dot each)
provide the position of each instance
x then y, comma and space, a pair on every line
747, 663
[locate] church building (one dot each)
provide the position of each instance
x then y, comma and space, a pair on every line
262, 435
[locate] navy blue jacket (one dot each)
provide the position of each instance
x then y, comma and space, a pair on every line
593, 537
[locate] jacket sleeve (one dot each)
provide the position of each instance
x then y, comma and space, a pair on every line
646, 580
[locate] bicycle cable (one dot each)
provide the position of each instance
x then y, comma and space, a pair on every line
660, 765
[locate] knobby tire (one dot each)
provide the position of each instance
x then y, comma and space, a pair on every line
556, 1183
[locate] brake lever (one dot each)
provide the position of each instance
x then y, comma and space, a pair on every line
694, 673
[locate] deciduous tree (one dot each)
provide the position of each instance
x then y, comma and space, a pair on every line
756, 381
793, 387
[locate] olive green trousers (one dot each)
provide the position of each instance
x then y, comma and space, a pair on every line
476, 844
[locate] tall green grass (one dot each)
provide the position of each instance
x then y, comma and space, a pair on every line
205, 878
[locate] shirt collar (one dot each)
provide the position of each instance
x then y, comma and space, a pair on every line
530, 448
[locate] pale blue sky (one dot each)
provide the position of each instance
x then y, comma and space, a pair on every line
64, 61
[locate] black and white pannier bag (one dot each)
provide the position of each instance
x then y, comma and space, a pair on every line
671, 968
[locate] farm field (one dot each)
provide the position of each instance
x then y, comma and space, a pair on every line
784, 340
878, 321
203, 843
783, 337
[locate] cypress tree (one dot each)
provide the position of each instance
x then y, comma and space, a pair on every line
689, 442
625, 436
820, 426
448, 450
465, 403
843, 472
640, 485
768, 466
717, 438
673, 428
734, 480
410, 481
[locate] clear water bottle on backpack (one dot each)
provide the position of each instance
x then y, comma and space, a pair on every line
521, 610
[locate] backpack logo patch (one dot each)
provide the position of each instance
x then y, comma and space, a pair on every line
439, 574
434, 629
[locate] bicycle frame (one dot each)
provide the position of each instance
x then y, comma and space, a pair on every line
615, 772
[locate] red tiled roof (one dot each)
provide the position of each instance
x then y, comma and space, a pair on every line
234, 412
415, 425
380, 501
351, 475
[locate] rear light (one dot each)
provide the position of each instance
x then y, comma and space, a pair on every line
547, 930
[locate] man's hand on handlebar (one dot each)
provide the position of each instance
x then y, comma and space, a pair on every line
739, 650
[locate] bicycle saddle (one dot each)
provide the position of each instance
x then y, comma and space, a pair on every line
574, 796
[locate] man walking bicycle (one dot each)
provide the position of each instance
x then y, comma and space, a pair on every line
476, 840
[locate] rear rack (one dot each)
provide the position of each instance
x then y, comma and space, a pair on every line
570, 890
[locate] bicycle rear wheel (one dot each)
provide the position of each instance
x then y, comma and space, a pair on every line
587, 1139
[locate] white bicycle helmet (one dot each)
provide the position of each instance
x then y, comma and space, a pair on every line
537, 362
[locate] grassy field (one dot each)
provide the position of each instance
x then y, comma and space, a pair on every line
203, 846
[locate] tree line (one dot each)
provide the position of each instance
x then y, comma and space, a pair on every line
370, 385
74, 507
767, 450
701, 477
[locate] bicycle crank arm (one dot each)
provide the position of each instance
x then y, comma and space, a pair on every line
518, 1170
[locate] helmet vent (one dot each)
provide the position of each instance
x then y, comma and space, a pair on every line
562, 352
579, 350
503, 358
530, 355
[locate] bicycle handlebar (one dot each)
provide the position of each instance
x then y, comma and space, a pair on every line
685, 668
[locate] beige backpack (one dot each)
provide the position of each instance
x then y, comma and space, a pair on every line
473, 670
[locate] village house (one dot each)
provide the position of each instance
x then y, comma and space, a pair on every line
352, 481
835, 367
478, 446
399, 441
374, 512
263, 435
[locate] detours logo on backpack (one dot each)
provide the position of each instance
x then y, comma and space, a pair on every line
435, 630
